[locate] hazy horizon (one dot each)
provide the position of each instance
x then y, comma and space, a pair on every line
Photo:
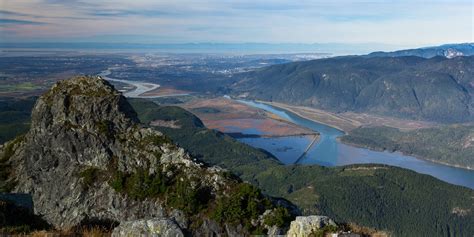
388, 25
328, 49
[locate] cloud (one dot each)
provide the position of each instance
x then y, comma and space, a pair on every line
12, 13
275, 21
19, 22
72, 3
359, 17
20, 15
266, 6
124, 13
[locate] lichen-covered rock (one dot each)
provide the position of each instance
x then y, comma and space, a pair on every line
209, 227
180, 218
303, 226
275, 231
82, 131
79, 124
88, 160
159, 227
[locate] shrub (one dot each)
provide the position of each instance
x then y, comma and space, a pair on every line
117, 181
106, 128
323, 231
140, 184
187, 198
89, 176
279, 217
178, 191
160, 140
244, 203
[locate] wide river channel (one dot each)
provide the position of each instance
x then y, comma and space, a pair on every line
330, 152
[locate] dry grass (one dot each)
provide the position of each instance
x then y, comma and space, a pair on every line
85, 232
366, 231
96, 232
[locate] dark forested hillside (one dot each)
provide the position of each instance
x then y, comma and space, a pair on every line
452, 145
400, 201
14, 116
435, 89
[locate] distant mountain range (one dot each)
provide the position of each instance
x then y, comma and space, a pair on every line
227, 48
436, 89
335, 49
447, 50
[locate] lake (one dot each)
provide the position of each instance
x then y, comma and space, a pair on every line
330, 152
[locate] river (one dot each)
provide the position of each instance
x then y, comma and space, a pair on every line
330, 152
139, 87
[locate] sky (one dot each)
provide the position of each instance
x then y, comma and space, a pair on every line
391, 22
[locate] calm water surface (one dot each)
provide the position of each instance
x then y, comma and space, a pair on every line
330, 152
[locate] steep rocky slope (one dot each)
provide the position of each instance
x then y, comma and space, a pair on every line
86, 159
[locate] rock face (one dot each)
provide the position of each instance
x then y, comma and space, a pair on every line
82, 131
87, 160
304, 225
149, 227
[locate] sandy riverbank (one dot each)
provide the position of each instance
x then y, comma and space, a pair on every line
350, 120
228, 116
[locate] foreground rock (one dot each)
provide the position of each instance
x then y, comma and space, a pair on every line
86, 160
83, 130
304, 226
149, 227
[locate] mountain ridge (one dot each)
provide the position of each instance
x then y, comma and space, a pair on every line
446, 50
436, 89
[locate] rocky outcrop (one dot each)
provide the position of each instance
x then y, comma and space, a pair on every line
82, 132
87, 160
148, 227
303, 226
